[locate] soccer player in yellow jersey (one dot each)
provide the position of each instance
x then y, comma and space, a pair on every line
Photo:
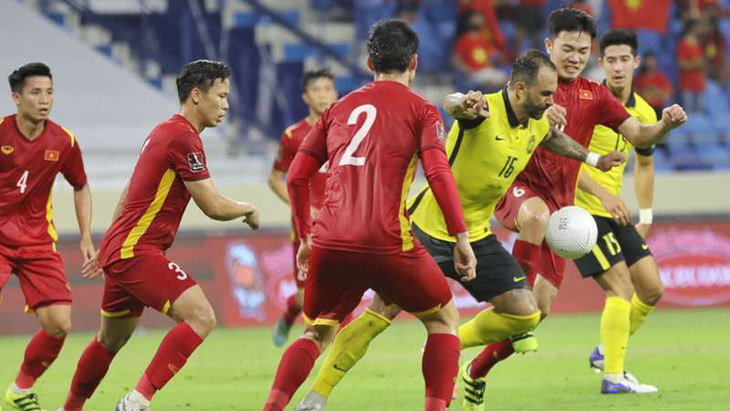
487, 148
621, 263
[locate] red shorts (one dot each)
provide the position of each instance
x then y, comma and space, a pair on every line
40, 271
148, 280
552, 267
337, 280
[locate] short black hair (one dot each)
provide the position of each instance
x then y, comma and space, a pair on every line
527, 66
618, 37
391, 45
312, 75
570, 19
201, 74
18, 76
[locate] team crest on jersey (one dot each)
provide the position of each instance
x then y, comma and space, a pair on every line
531, 144
196, 162
585, 95
440, 131
51, 155
7, 150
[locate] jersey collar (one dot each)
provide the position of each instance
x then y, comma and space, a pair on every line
513, 122
632, 97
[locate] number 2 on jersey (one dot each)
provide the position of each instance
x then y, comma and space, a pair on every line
370, 113
22, 183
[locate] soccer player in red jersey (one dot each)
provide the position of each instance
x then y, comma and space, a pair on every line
171, 169
318, 92
548, 182
372, 139
33, 150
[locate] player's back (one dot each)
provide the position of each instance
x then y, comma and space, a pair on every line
373, 137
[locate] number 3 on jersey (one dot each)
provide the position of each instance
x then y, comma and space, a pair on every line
22, 183
370, 113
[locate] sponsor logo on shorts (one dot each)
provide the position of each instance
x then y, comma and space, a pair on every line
694, 265
7, 150
51, 155
518, 279
644, 246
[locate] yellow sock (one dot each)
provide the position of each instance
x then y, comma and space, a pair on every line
349, 346
615, 333
639, 312
489, 326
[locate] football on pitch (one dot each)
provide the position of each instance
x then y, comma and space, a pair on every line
571, 232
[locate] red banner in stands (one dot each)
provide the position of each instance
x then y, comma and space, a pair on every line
249, 277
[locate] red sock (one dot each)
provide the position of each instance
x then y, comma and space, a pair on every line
40, 354
172, 354
92, 367
528, 255
295, 365
491, 355
292, 309
440, 365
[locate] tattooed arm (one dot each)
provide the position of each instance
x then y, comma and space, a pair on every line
562, 144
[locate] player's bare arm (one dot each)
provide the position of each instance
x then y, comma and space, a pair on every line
467, 106
219, 207
278, 185
562, 144
82, 204
646, 135
120, 204
613, 203
644, 186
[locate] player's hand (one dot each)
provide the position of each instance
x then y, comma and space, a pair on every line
474, 105
90, 267
643, 229
464, 258
674, 116
305, 251
557, 116
613, 159
253, 218
617, 207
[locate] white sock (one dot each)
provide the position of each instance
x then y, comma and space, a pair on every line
137, 397
600, 348
17, 390
614, 378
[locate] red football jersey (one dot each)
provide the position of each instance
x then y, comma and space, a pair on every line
588, 104
290, 141
156, 197
28, 170
372, 139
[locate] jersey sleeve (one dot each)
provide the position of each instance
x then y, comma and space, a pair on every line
610, 112
73, 168
186, 156
286, 152
315, 144
431, 133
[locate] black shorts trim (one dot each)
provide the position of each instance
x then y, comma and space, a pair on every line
615, 243
497, 271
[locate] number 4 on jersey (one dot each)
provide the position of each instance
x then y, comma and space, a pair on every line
370, 113
22, 183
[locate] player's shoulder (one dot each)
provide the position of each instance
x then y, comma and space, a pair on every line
6, 122
61, 132
297, 128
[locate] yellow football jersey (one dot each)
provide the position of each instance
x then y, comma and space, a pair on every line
485, 157
604, 141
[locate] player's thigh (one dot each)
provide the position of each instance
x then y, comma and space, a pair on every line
545, 293
412, 280
116, 331
616, 281
193, 307
334, 285
42, 278
498, 273
646, 280
605, 254
152, 279
509, 211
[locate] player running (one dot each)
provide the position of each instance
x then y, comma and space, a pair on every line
486, 151
171, 169
621, 263
372, 139
318, 93
548, 182
33, 150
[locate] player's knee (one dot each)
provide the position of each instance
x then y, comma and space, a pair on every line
58, 328
113, 343
203, 321
653, 296
534, 219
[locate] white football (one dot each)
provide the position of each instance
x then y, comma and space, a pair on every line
571, 232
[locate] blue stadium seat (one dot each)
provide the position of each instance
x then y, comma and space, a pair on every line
700, 127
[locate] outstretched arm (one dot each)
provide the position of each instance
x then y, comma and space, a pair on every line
562, 144
219, 207
467, 106
646, 135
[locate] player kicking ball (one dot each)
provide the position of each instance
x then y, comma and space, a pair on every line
373, 138
318, 93
33, 150
171, 169
622, 263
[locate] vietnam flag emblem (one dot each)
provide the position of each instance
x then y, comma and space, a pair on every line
51, 155
585, 95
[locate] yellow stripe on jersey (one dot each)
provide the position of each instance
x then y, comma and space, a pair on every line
604, 141
405, 226
70, 135
49, 218
144, 223
485, 157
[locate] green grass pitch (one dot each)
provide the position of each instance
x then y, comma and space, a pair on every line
686, 353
